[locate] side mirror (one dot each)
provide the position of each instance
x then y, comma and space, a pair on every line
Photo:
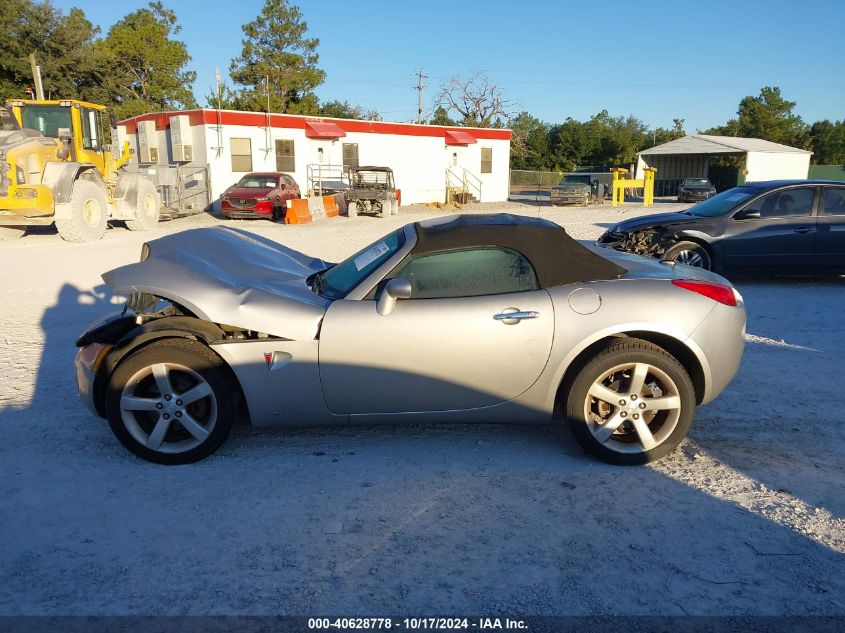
750, 214
393, 290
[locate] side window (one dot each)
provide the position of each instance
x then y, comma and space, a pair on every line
786, 203
486, 160
90, 129
468, 273
833, 201
241, 154
350, 154
285, 156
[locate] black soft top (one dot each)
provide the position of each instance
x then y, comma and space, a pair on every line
557, 258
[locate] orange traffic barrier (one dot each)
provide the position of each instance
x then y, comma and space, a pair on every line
330, 205
297, 212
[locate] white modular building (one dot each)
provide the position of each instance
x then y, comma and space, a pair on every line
427, 160
692, 157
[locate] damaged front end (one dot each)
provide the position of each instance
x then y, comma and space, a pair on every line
651, 242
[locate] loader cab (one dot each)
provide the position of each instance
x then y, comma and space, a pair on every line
83, 127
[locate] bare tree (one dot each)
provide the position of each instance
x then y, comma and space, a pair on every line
477, 100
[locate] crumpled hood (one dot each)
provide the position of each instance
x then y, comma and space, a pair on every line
232, 277
658, 219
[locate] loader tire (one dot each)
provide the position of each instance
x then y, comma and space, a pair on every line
9, 233
87, 213
148, 209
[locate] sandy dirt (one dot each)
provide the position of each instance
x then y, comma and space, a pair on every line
748, 517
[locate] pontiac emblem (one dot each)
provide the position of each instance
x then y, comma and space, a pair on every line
268, 357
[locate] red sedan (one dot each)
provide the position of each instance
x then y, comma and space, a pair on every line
260, 195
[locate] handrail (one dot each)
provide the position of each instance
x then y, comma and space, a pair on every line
319, 173
468, 179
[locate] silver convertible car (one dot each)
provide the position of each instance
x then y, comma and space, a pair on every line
471, 318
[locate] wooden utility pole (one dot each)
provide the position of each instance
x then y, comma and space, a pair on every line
419, 88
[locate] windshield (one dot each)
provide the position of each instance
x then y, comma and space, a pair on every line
338, 280
46, 119
723, 202
257, 182
581, 179
695, 182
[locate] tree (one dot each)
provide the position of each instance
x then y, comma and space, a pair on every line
477, 100
767, 116
530, 142
344, 110
225, 98
440, 116
277, 49
63, 46
827, 140
147, 65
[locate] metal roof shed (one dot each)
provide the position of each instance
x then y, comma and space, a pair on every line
690, 156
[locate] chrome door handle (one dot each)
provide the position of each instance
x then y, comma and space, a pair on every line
803, 230
510, 318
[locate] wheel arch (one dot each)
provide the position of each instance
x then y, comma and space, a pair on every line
61, 176
671, 344
695, 238
124, 343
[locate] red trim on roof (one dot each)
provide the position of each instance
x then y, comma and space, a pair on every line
323, 129
457, 137
292, 121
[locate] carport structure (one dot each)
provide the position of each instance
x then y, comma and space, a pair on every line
692, 157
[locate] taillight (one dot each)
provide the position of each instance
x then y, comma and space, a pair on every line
723, 294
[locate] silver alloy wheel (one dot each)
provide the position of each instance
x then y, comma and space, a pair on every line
632, 408
168, 408
690, 258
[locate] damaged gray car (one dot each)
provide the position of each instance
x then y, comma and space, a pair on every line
788, 227
474, 318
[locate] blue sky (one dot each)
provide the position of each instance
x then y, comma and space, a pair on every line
693, 60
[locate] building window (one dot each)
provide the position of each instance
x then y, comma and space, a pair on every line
285, 157
241, 154
486, 160
350, 154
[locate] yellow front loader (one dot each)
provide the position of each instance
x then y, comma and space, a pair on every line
57, 165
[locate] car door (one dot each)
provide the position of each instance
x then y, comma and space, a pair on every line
450, 346
773, 232
829, 248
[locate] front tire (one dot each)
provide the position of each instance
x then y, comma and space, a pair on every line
87, 213
171, 402
632, 403
149, 207
689, 254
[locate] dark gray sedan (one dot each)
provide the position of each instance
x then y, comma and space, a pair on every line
776, 227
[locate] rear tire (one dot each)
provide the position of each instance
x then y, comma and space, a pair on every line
9, 233
171, 402
690, 254
149, 207
87, 213
632, 403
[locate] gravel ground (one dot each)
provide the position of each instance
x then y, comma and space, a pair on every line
747, 518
